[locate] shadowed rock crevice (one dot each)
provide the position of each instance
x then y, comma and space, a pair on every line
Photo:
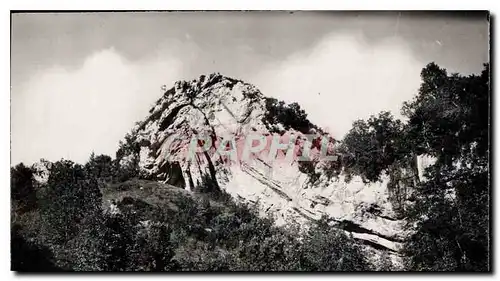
296, 192
353, 227
170, 117
172, 173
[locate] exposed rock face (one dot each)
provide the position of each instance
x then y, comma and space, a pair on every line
41, 171
219, 106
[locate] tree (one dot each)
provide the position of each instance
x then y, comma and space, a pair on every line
126, 164
449, 120
68, 199
100, 167
290, 115
373, 145
22, 188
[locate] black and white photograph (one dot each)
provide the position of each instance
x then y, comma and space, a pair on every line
250, 141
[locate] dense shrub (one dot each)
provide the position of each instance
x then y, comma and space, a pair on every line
69, 197
27, 256
329, 249
22, 188
201, 233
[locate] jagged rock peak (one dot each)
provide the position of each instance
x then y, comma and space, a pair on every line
219, 106
206, 91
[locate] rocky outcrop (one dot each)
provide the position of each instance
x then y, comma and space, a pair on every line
218, 106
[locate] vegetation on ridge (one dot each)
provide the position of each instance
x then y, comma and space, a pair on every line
99, 217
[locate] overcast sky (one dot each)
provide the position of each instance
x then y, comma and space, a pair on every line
80, 81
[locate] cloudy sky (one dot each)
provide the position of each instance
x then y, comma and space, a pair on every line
79, 81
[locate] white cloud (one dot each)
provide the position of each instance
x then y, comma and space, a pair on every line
342, 78
68, 114
63, 113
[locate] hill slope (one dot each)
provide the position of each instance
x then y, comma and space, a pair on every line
218, 106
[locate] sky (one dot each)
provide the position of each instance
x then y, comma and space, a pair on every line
79, 81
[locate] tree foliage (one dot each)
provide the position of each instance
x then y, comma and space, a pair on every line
372, 146
201, 233
61, 224
328, 249
292, 116
448, 215
22, 187
69, 197
450, 116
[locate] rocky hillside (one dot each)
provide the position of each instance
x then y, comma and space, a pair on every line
220, 106
181, 193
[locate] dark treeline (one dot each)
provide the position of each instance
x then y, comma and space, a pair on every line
64, 223
448, 213
64, 227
